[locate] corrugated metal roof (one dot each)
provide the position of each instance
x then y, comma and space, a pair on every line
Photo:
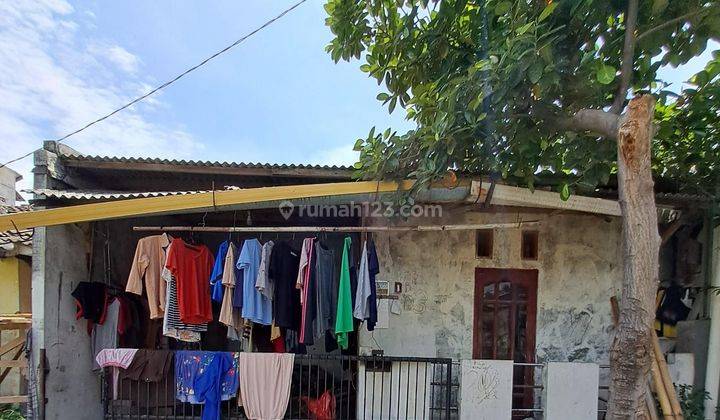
86, 195
105, 159
9, 238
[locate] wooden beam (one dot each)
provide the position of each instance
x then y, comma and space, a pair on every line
269, 171
21, 363
15, 399
214, 200
505, 195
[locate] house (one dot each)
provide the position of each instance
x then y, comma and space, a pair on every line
472, 271
15, 275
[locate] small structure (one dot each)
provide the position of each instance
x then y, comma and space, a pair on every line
473, 271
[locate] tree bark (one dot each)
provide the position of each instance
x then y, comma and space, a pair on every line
631, 348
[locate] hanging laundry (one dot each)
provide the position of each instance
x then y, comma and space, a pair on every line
326, 290
105, 335
255, 306
117, 359
190, 266
302, 283
206, 378
265, 380
307, 333
148, 263
90, 301
149, 366
373, 271
230, 316
263, 283
361, 309
283, 271
172, 325
217, 272
343, 317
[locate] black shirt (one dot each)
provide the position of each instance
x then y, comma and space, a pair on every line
284, 263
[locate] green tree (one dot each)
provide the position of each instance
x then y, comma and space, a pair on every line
529, 88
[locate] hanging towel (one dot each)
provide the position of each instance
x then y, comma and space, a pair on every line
362, 293
265, 380
343, 318
203, 377
115, 358
216, 289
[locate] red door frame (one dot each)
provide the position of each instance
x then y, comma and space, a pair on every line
527, 278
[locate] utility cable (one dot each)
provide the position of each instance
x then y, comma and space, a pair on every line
169, 82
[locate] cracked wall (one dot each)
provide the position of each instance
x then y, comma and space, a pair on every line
579, 269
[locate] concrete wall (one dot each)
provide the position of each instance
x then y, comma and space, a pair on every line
579, 267
59, 263
8, 178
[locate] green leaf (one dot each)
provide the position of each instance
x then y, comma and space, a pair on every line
502, 7
383, 96
358, 145
564, 192
365, 68
393, 102
535, 71
526, 27
605, 74
547, 11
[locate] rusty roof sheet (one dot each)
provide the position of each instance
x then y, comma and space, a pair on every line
23, 236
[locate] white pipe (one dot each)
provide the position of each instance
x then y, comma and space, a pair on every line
712, 372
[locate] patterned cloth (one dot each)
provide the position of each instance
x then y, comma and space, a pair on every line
191, 365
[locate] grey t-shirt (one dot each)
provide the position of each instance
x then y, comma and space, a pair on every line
264, 284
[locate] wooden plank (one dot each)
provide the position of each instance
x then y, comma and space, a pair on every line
14, 399
19, 341
505, 195
20, 363
207, 200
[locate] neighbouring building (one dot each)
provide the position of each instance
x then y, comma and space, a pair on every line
498, 273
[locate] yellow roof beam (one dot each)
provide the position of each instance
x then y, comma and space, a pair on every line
205, 200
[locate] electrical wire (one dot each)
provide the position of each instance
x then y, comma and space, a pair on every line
168, 83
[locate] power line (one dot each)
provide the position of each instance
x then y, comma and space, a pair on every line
168, 83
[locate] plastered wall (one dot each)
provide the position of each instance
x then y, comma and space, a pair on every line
579, 269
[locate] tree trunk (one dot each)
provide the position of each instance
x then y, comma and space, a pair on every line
631, 348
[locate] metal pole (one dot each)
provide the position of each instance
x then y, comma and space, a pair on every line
426, 228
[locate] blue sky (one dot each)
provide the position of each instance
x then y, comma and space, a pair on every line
275, 98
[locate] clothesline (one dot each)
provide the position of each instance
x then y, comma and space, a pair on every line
298, 229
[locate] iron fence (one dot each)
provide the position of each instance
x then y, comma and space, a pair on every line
355, 387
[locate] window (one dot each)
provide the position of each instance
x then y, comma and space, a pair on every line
529, 245
484, 243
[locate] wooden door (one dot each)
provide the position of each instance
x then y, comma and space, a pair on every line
504, 323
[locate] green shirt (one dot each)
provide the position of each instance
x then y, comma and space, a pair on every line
343, 318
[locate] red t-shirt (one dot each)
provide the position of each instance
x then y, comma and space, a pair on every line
191, 266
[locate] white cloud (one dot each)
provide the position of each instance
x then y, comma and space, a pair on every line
53, 81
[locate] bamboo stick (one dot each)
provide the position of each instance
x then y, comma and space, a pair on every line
660, 390
665, 375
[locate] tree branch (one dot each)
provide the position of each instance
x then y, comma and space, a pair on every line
594, 120
628, 58
669, 23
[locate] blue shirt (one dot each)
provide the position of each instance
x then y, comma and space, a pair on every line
256, 306
216, 287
